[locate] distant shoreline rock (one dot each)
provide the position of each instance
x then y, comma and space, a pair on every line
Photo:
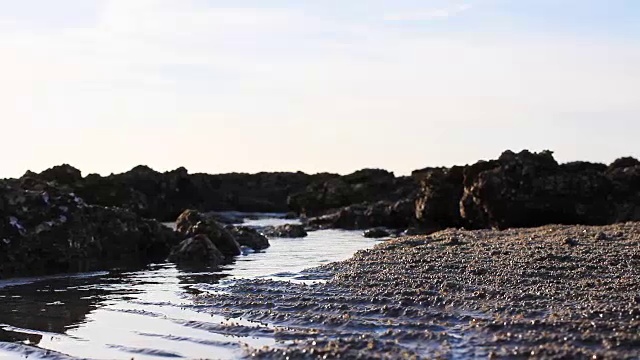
59, 221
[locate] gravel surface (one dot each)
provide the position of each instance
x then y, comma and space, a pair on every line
552, 292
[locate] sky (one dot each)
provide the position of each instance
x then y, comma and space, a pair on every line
325, 85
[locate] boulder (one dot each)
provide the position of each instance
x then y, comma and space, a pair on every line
44, 230
198, 250
246, 236
286, 231
376, 233
193, 222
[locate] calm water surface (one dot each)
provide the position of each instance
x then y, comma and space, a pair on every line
149, 314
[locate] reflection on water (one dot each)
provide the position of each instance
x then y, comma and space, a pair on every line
148, 313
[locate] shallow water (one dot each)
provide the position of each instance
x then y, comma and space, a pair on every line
149, 314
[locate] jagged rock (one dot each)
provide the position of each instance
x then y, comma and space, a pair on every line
286, 231
44, 230
198, 250
192, 222
246, 236
376, 233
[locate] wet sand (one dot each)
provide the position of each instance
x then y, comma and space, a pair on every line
553, 291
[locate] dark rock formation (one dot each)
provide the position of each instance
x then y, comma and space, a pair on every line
438, 203
368, 185
286, 231
192, 222
529, 189
246, 236
395, 215
44, 230
198, 250
164, 196
376, 233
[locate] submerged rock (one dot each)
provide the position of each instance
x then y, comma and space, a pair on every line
193, 222
198, 250
376, 233
44, 230
286, 231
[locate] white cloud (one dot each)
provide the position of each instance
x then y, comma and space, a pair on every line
429, 14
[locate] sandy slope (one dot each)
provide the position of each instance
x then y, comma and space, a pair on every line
553, 291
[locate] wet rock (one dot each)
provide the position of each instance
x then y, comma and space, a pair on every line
376, 233
394, 215
45, 230
193, 222
286, 231
246, 236
198, 250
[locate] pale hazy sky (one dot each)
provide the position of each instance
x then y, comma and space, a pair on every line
323, 85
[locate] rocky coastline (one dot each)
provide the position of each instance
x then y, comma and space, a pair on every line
59, 221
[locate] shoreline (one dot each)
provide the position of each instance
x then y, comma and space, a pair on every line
551, 291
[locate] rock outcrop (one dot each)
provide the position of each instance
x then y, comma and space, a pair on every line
192, 222
210, 243
529, 189
45, 230
196, 251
